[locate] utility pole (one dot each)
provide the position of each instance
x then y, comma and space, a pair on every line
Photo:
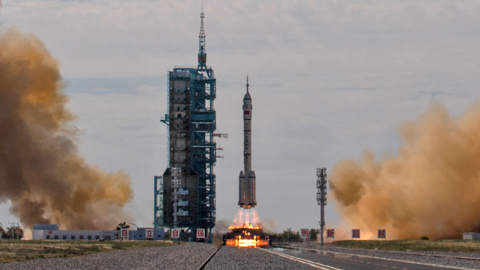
322, 197
175, 184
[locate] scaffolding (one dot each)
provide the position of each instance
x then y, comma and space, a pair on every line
191, 122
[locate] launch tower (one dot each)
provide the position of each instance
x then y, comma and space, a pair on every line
191, 122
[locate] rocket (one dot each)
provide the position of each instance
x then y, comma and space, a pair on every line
247, 193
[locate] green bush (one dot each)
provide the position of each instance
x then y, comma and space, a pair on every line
424, 238
312, 234
286, 236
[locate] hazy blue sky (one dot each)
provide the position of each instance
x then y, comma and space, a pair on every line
328, 79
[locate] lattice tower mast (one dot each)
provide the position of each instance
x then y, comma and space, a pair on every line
202, 55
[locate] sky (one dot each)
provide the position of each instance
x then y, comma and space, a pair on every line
328, 79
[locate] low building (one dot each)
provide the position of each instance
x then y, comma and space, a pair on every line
147, 234
51, 232
73, 235
51, 227
471, 236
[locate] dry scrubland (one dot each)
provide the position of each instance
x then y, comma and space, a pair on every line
14, 250
414, 245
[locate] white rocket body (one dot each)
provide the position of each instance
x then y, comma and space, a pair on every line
247, 188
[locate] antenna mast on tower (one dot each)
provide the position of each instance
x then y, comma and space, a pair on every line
202, 55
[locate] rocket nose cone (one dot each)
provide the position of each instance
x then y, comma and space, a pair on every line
247, 96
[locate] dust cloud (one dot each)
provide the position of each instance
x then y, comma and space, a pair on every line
431, 187
221, 227
41, 171
268, 225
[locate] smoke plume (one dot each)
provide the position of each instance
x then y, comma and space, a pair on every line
221, 227
246, 217
41, 172
431, 187
268, 225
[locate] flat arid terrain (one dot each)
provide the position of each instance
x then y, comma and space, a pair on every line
414, 245
14, 250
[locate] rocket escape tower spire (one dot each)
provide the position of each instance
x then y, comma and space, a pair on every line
191, 122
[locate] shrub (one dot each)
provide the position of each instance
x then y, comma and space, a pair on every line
424, 238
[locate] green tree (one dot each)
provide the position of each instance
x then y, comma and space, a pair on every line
13, 232
287, 235
122, 225
312, 234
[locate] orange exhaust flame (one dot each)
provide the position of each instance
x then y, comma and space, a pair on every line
239, 242
249, 226
255, 242
246, 231
246, 243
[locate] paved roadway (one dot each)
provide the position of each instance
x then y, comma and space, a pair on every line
336, 261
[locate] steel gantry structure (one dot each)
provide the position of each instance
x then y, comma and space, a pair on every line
191, 121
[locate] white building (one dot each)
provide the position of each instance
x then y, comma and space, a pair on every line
51, 232
471, 236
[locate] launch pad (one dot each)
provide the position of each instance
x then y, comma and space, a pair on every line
247, 236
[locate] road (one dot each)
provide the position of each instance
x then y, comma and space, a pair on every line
335, 261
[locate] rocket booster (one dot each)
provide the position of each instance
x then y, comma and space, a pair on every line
247, 188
